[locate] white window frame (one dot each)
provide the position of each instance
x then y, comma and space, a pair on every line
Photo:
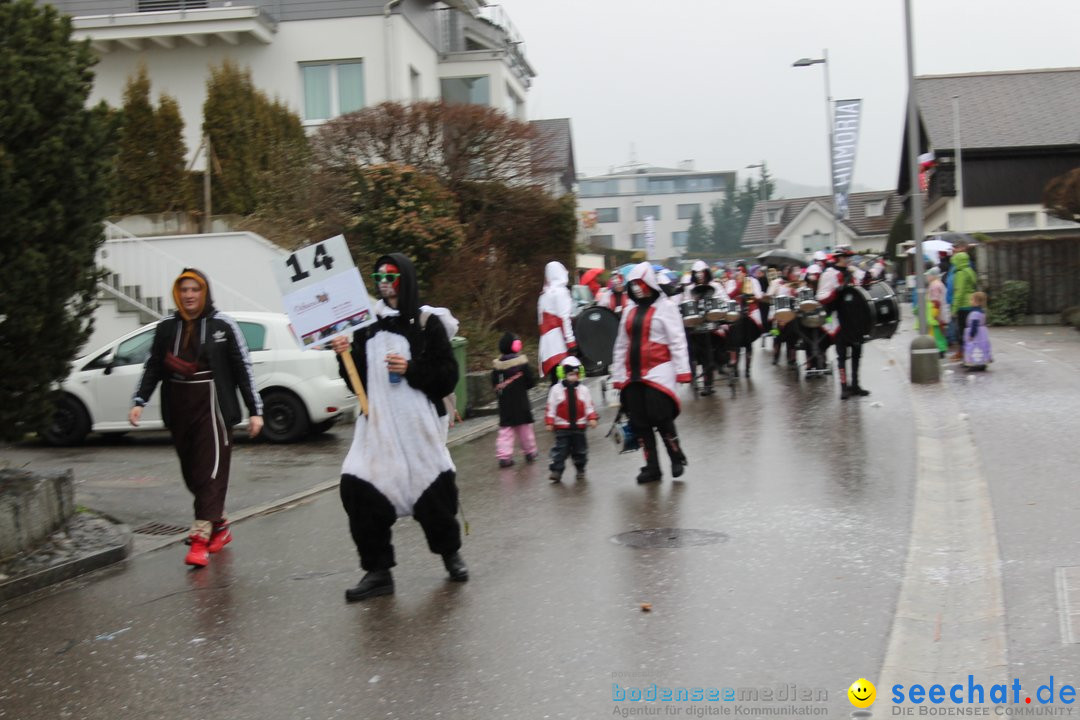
772, 216
874, 208
1013, 220
335, 95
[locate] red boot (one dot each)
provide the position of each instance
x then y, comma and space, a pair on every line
198, 555
220, 537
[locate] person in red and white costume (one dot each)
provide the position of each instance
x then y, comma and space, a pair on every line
829, 289
570, 411
748, 328
614, 297
553, 315
649, 361
706, 340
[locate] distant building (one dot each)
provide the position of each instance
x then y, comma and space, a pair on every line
618, 204
553, 155
806, 225
1015, 130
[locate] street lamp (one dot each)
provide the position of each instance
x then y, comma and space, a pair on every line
761, 193
824, 61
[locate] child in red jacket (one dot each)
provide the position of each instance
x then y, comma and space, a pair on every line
569, 411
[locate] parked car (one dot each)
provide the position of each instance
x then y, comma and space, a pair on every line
301, 389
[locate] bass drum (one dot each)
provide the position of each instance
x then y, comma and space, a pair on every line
596, 329
868, 313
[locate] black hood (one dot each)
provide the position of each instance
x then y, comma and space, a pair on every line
408, 293
505, 342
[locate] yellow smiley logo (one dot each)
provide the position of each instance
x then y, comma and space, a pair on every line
862, 693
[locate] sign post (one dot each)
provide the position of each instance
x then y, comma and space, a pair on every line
324, 297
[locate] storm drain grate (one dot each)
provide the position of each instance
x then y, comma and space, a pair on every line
668, 538
155, 528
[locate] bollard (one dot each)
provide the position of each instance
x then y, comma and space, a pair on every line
925, 362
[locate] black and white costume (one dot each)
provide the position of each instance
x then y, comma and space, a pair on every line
399, 464
829, 291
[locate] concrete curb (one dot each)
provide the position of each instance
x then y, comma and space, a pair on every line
73, 568
950, 615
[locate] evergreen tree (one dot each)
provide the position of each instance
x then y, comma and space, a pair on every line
55, 160
726, 225
699, 239
150, 172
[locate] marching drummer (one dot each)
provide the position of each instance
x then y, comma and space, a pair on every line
786, 285
830, 286
706, 339
747, 291
614, 297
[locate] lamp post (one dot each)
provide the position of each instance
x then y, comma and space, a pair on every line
924, 353
761, 194
824, 61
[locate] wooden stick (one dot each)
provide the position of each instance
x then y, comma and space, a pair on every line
350, 368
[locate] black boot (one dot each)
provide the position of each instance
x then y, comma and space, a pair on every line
845, 392
373, 584
678, 459
456, 567
856, 390
648, 474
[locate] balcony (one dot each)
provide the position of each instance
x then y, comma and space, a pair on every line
463, 37
164, 23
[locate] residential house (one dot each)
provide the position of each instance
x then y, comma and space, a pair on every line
322, 59
806, 224
1011, 133
622, 205
553, 155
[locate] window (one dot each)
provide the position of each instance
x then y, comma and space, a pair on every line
254, 336
875, 208
604, 215
134, 351
467, 90
515, 106
637, 241
680, 238
644, 211
332, 89
687, 212
597, 188
1019, 220
1052, 221
772, 217
603, 241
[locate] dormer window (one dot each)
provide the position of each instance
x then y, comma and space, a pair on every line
875, 208
772, 217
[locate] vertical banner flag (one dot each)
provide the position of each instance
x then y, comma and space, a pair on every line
650, 237
845, 138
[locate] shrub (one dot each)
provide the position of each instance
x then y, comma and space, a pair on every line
1010, 303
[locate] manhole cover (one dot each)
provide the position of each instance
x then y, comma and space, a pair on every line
669, 538
160, 529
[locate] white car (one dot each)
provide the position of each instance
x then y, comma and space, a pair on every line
301, 389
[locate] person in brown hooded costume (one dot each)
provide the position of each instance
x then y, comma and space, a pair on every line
201, 359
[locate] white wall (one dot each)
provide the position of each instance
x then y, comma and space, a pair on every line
624, 229
183, 71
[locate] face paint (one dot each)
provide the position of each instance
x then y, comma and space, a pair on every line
388, 289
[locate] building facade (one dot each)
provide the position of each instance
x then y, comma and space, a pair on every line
806, 224
621, 207
322, 59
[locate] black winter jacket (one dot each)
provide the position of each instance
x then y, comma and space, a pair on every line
222, 348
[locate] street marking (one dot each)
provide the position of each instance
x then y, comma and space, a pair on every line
1067, 582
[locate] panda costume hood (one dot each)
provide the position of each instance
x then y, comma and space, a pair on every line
399, 448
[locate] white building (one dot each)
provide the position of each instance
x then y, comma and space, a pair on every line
623, 200
321, 58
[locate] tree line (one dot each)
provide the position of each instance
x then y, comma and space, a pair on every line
729, 217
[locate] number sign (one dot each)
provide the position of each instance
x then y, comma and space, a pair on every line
323, 292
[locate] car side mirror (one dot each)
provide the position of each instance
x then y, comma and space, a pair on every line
110, 363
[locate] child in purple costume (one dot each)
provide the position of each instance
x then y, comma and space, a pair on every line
977, 353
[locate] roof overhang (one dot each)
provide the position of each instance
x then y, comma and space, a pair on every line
467, 6
136, 31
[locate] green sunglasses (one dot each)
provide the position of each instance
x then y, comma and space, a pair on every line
385, 277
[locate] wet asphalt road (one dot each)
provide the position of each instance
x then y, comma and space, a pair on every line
810, 499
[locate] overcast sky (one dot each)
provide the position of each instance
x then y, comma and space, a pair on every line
712, 80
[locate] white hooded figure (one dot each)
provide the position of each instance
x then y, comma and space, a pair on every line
553, 315
649, 361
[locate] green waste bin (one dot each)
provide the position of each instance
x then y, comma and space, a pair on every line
461, 390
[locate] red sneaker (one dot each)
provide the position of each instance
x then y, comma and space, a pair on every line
219, 538
198, 555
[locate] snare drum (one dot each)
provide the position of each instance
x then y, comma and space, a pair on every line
691, 314
807, 302
732, 311
714, 309
785, 308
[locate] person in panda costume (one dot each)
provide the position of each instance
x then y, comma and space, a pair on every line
399, 464
649, 360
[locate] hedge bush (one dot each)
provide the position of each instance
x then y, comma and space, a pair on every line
1010, 303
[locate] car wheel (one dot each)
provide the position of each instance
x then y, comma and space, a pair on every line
284, 417
70, 423
320, 427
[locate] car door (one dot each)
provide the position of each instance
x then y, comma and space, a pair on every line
113, 379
